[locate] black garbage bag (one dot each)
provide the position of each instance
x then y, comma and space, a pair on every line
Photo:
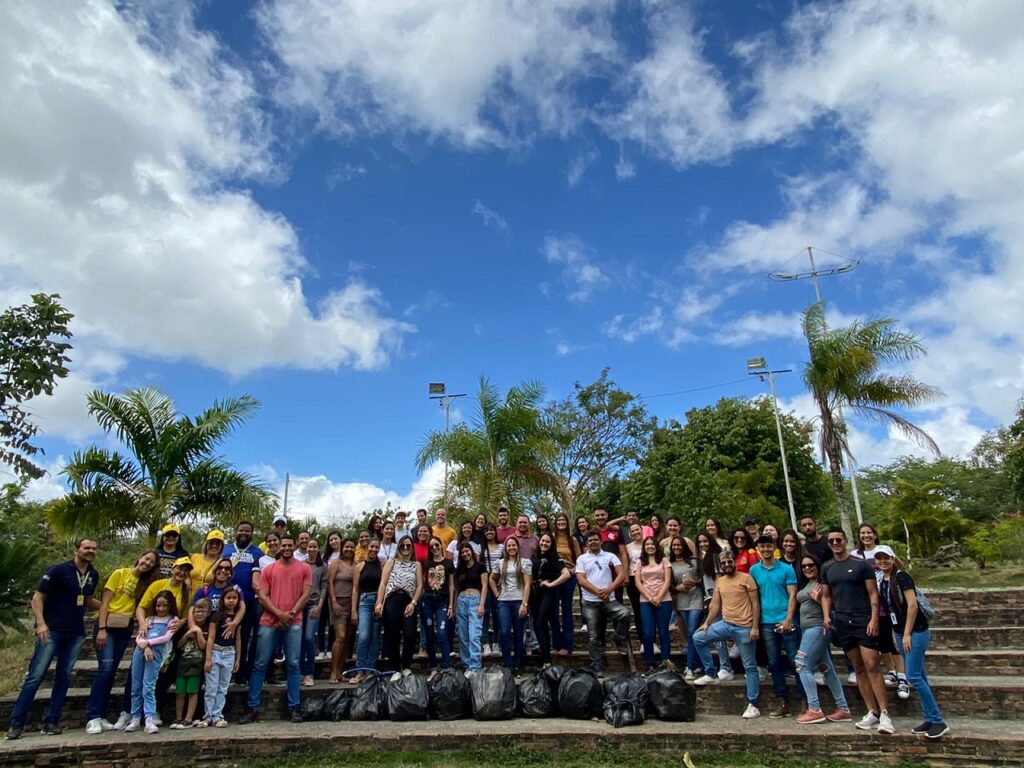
535, 696
338, 704
580, 695
493, 693
625, 700
670, 697
312, 708
450, 697
371, 700
408, 699
554, 675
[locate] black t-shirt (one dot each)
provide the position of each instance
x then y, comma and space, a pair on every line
850, 600
220, 621
167, 559
819, 549
436, 576
67, 590
547, 568
469, 578
896, 604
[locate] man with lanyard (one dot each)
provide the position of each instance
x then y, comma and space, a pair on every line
776, 586
849, 601
599, 574
58, 606
245, 557
503, 529
813, 543
283, 592
170, 549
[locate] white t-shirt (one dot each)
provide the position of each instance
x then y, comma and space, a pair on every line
453, 549
302, 557
599, 570
266, 561
387, 551
510, 589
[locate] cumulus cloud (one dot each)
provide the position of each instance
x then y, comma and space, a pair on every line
123, 135
581, 274
490, 218
579, 164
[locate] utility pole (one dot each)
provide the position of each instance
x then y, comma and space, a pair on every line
755, 366
437, 391
847, 266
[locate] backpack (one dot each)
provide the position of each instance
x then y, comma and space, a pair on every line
923, 604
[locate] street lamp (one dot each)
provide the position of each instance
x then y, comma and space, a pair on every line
756, 366
436, 391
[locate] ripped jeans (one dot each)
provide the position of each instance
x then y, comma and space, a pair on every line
815, 650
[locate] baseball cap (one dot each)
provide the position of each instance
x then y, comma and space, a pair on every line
215, 535
883, 549
280, 519
749, 520
170, 528
183, 561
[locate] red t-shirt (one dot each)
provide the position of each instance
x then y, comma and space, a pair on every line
611, 537
284, 585
504, 533
420, 550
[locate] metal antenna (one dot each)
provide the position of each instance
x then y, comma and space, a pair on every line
814, 274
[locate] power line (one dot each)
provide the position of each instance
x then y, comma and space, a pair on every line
695, 389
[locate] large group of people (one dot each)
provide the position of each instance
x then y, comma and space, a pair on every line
408, 588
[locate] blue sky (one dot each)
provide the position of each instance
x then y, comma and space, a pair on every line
329, 204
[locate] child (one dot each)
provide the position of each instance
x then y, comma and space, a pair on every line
222, 656
151, 649
191, 644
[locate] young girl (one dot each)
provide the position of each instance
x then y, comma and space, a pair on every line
151, 648
222, 657
191, 645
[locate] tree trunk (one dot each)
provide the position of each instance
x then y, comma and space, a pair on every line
832, 443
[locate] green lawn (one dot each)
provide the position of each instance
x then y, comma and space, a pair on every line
970, 575
15, 651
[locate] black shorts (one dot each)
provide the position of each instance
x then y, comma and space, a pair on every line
849, 635
886, 638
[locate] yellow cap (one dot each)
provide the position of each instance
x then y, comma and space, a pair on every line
171, 528
215, 535
183, 561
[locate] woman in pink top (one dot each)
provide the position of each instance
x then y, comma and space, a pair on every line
654, 581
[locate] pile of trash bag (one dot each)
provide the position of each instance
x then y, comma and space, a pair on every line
449, 694
371, 699
493, 692
625, 700
580, 695
669, 696
408, 699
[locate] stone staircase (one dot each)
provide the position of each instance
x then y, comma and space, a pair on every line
975, 664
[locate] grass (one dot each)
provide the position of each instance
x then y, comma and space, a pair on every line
970, 575
15, 651
525, 758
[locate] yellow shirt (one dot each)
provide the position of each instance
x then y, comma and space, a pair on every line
447, 535
122, 583
159, 586
202, 570
361, 553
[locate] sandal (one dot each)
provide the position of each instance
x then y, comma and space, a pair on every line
203, 724
222, 723
334, 681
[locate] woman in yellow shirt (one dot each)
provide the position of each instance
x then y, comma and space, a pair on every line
203, 564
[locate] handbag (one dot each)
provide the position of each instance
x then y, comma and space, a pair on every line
118, 620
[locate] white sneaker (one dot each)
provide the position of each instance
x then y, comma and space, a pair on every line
869, 721
94, 726
891, 679
852, 678
725, 674
657, 649
819, 679
583, 628
885, 724
151, 726
751, 712
106, 725
133, 725
157, 721
395, 677
123, 719
688, 675
903, 689
706, 680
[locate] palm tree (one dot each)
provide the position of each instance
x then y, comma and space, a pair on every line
501, 458
844, 373
171, 473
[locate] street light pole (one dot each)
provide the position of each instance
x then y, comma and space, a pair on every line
437, 391
753, 364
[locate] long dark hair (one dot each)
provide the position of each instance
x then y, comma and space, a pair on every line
462, 570
709, 560
172, 602
148, 577
688, 553
719, 531
799, 547
860, 545
645, 559
341, 542
732, 541
801, 578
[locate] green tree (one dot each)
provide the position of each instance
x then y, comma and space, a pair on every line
725, 462
1014, 455
600, 430
170, 473
845, 373
502, 457
921, 516
32, 358
26, 543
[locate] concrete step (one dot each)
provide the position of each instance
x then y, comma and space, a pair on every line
972, 743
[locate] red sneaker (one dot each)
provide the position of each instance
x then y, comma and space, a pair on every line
840, 716
811, 716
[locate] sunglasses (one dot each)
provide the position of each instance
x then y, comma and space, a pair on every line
222, 568
835, 541
407, 545
808, 566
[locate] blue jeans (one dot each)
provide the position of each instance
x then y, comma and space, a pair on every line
723, 630
563, 639
434, 616
919, 642
307, 656
815, 649
469, 623
656, 619
217, 679
774, 642
512, 644
65, 647
107, 659
266, 644
692, 620
144, 675
368, 642
490, 627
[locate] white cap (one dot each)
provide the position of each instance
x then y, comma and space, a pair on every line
280, 519
883, 549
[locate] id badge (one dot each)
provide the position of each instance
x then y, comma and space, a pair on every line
81, 600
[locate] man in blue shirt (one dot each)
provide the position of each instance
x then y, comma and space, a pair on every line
776, 585
59, 605
245, 556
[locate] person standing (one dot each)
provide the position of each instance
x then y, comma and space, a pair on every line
170, 549
527, 541
311, 613
776, 588
203, 564
653, 581
365, 583
568, 549
284, 590
401, 529
599, 574
442, 530
813, 543
245, 557
58, 606
736, 599
549, 573
511, 581
437, 604
471, 584
280, 527
503, 528
401, 584
850, 595
340, 586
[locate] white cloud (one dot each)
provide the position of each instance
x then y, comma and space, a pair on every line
490, 217
580, 272
579, 164
112, 193
631, 330
759, 326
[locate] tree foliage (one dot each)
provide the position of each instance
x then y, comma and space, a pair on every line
845, 373
1014, 454
169, 473
725, 462
32, 358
